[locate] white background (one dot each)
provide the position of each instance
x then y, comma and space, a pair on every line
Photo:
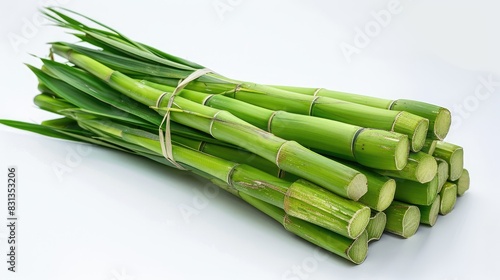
114, 216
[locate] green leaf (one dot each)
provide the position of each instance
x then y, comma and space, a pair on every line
82, 100
36, 128
128, 65
90, 85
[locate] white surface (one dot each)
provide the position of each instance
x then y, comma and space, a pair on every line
115, 216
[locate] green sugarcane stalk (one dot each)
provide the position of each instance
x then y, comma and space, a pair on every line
352, 250
381, 189
356, 114
439, 117
463, 183
402, 219
448, 198
235, 155
372, 148
443, 173
288, 155
421, 168
376, 226
416, 193
430, 213
429, 146
300, 199
453, 155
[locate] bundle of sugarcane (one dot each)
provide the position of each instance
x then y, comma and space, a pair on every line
334, 168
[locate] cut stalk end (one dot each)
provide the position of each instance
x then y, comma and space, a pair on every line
443, 173
386, 195
358, 251
463, 183
358, 187
448, 198
454, 156
421, 168
414, 126
381, 149
442, 123
376, 226
456, 164
429, 146
439, 117
358, 222
402, 219
426, 169
429, 214
311, 203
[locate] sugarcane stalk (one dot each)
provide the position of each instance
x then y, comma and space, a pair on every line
380, 192
439, 117
381, 189
453, 155
421, 168
299, 199
356, 114
429, 146
416, 193
463, 183
222, 125
448, 198
353, 250
372, 148
402, 219
430, 213
443, 173
376, 226
235, 155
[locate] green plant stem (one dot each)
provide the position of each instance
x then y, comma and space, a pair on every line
324, 107
443, 173
372, 148
222, 125
448, 198
439, 117
300, 199
429, 214
453, 155
463, 183
429, 146
352, 250
421, 168
381, 189
416, 193
402, 219
376, 226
